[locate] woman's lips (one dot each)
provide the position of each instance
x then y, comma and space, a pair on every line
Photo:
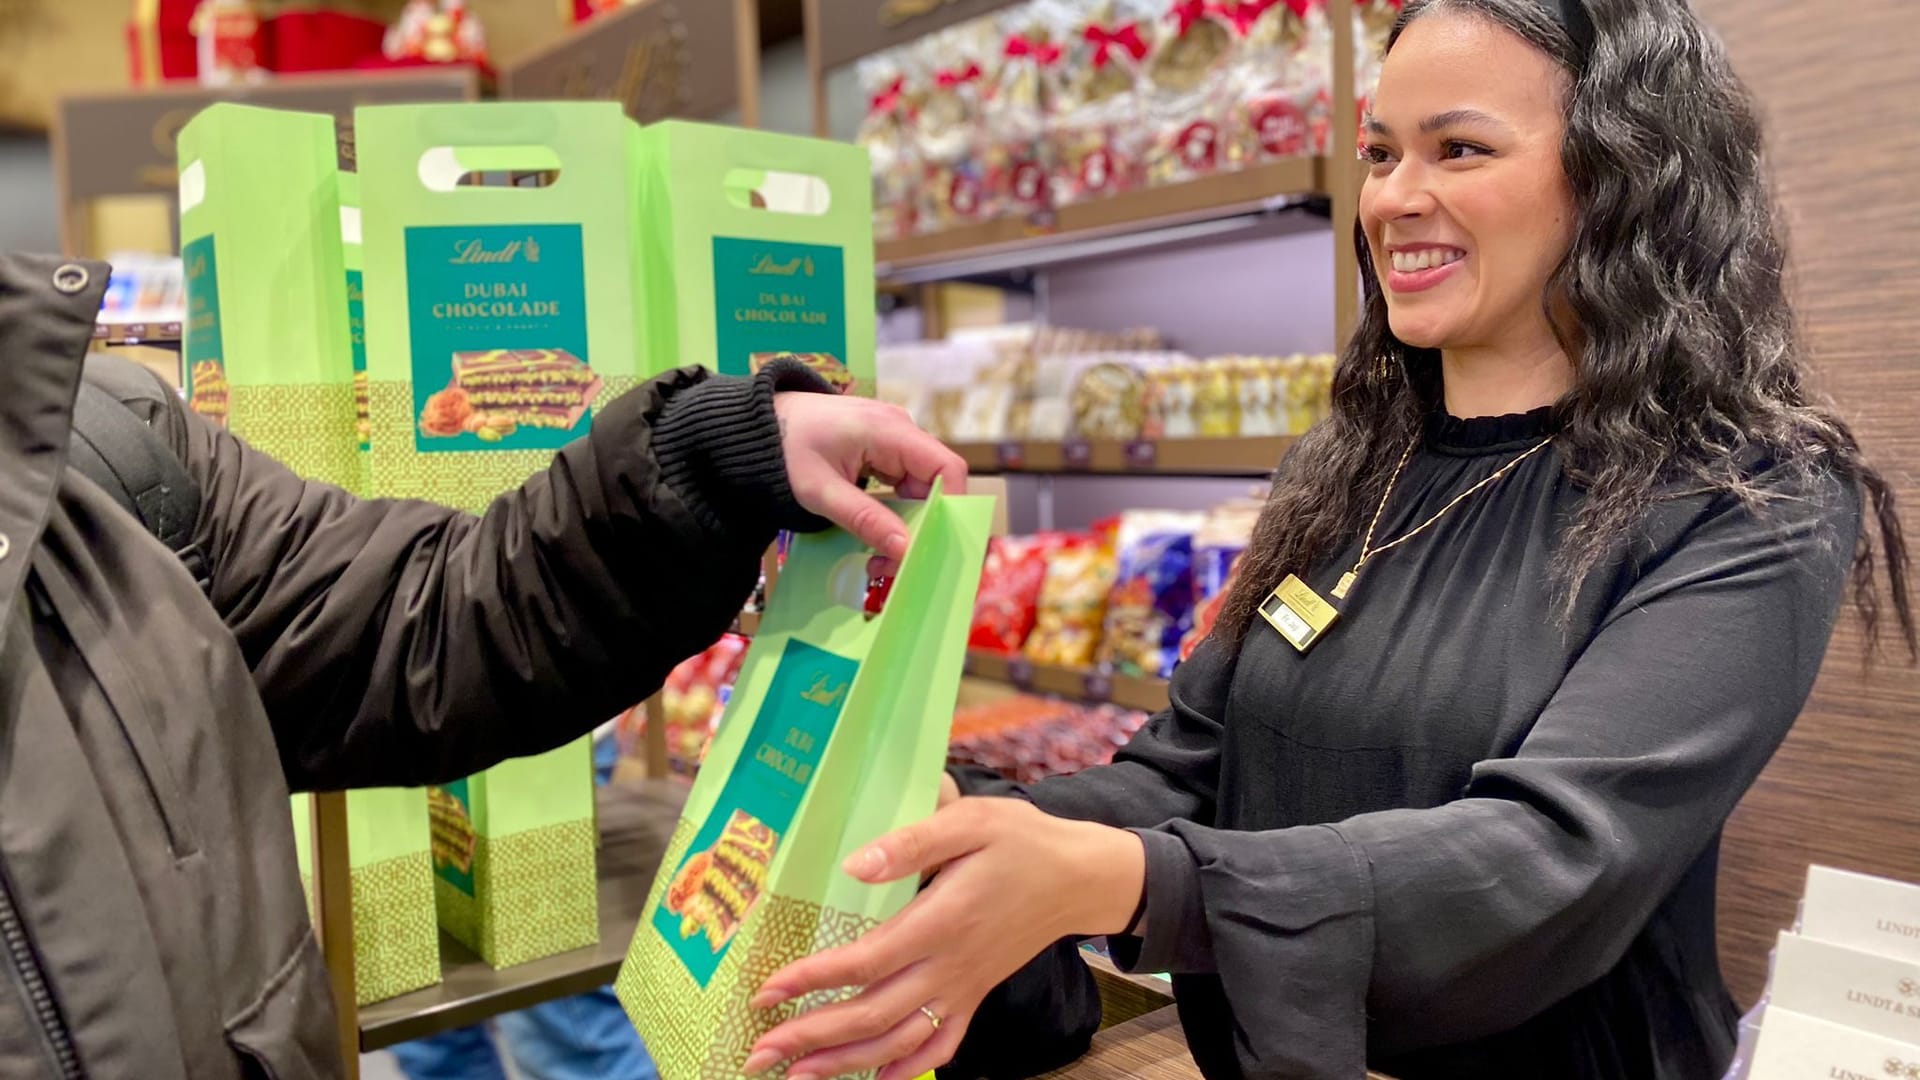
1418, 269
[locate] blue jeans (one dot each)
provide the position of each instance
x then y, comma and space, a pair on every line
575, 1038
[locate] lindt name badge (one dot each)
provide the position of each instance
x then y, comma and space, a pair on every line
1298, 613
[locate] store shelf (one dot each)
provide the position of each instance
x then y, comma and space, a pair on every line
1220, 196
161, 334
1255, 456
1081, 684
636, 820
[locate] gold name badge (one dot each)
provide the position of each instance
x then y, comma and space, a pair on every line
1298, 613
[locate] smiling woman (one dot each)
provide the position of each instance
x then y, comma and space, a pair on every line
1520, 624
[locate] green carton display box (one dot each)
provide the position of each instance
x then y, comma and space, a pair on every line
513, 857
267, 350
755, 246
396, 938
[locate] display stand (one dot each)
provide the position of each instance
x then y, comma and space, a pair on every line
659, 59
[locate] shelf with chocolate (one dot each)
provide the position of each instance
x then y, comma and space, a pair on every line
1081, 684
1214, 196
1253, 456
157, 334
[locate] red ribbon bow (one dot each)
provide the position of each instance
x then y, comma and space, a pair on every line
1188, 12
1103, 41
1019, 45
950, 79
1243, 14
889, 99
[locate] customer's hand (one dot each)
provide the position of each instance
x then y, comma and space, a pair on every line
833, 442
1013, 880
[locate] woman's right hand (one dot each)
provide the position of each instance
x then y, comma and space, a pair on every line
949, 790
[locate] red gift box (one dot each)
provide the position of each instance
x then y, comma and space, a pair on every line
321, 40
160, 41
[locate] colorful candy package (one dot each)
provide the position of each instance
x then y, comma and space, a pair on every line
1279, 82
1217, 548
947, 128
1009, 598
1073, 600
1184, 94
1151, 606
1099, 142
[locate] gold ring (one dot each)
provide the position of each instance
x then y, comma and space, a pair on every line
927, 1011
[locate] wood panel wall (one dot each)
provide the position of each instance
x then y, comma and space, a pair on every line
1840, 87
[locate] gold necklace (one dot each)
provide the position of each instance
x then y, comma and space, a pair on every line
1299, 613
1368, 551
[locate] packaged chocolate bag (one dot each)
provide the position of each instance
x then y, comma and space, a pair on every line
756, 247
513, 857
836, 733
502, 241
396, 935
267, 352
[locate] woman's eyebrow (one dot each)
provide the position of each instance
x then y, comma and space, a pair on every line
1450, 118
1459, 118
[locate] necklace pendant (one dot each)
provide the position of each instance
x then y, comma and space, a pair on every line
1347, 582
1298, 613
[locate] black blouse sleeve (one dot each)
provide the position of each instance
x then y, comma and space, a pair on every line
1441, 925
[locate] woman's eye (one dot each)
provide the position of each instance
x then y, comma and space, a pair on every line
1375, 155
1455, 150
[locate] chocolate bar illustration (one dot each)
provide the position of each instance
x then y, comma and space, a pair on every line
715, 891
535, 388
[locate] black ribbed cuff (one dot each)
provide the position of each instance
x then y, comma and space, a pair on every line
718, 445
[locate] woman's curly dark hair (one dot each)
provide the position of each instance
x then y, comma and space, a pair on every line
1687, 364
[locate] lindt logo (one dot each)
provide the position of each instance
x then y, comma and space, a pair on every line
767, 267
1907, 1004
475, 252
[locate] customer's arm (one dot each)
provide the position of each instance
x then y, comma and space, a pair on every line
402, 642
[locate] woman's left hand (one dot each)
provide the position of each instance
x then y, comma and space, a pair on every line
1012, 881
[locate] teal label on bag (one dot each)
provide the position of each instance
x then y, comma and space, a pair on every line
206, 358
724, 874
497, 318
357, 328
451, 810
775, 300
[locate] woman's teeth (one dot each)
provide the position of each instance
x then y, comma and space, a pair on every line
1425, 259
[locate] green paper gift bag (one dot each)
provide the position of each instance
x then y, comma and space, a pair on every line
513, 857
500, 239
267, 348
756, 246
836, 734
396, 938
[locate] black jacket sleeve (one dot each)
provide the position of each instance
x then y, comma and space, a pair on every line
401, 643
